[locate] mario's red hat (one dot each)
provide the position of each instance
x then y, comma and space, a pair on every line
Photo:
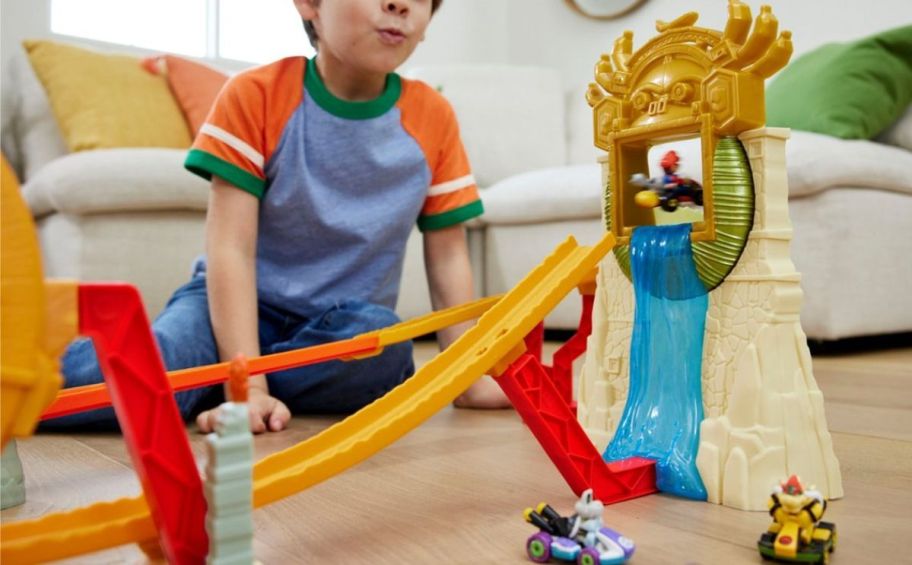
669, 160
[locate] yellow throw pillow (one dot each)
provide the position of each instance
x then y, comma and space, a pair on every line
102, 100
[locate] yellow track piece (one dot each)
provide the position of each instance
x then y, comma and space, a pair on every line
432, 322
497, 334
435, 385
86, 529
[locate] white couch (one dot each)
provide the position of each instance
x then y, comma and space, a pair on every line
136, 215
850, 201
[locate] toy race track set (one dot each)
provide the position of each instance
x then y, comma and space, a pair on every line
653, 311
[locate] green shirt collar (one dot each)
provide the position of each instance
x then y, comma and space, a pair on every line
380, 105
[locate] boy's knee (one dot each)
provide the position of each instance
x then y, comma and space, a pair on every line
399, 355
377, 317
358, 317
384, 371
186, 350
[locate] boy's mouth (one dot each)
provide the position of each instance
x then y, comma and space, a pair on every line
391, 36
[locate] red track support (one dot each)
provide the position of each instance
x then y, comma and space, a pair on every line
535, 341
562, 361
114, 317
536, 398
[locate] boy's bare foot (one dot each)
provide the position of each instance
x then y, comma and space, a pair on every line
484, 394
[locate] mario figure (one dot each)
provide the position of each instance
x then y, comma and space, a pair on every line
668, 191
669, 164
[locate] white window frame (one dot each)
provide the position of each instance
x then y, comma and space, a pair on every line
212, 32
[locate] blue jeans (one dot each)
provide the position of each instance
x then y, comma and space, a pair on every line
185, 339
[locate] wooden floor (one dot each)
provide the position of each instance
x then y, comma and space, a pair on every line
453, 490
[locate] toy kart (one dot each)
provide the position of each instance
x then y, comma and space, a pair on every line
669, 197
786, 545
797, 534
559, 537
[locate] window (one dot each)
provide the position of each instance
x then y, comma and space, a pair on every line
245, 30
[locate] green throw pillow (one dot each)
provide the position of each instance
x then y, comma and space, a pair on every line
848, 90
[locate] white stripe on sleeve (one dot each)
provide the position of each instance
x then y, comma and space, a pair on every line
235, 143
451, 185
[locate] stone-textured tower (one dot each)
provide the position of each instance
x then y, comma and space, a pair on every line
764, 412
229, 477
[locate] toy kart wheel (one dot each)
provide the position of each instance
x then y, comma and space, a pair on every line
538, 547
698, 198
588, 556
670, 204
833, 537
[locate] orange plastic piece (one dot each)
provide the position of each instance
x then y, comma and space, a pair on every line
88, 397
32, 341
238, 379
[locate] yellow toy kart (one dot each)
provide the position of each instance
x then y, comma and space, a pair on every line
797, 535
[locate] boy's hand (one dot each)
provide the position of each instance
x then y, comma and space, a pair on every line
267, 413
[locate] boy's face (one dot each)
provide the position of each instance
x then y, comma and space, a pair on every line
372, 35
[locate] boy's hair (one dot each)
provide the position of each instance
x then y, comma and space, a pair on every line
312, 33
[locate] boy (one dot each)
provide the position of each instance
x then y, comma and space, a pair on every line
319, 168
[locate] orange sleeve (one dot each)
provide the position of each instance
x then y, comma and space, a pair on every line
245, 124
452, 197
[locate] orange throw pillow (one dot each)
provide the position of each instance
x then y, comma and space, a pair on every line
194, 85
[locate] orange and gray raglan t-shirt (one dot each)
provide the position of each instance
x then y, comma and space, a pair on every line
341, 184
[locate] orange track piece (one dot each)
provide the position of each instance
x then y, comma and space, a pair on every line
88, 397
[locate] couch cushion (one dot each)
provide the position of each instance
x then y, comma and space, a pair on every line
851, 247
545, 195
104, 180
511, 118
818, 162
31, 138
900, 133
106, 100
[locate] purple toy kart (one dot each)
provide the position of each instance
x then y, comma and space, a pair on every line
612, 549
580, 537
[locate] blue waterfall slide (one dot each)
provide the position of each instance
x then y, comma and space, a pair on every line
664, 407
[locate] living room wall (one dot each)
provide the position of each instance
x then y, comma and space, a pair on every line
549, 33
